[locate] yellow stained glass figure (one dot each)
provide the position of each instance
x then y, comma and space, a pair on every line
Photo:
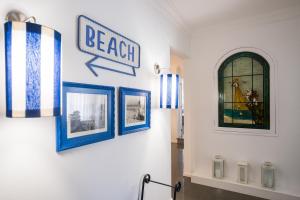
239, 98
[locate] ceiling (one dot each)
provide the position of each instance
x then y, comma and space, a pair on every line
196, 13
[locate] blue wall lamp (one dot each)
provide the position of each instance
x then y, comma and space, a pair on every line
33, 67
169, 88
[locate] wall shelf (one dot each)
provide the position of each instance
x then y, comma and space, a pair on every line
248, 189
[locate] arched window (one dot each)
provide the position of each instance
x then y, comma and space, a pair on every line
244, 99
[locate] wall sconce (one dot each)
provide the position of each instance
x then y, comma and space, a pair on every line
169, 89
268, 175
33, 67
243, 172
218, 167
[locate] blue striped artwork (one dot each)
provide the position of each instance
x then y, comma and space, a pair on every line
169, 91
33, 74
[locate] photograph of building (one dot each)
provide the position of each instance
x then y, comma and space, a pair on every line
86, 112
135, 110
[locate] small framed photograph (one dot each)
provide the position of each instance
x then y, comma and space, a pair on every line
87, 116
134, 110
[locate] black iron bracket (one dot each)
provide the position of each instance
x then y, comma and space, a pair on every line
147, 179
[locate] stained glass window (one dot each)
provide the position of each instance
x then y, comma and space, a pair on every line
244, 100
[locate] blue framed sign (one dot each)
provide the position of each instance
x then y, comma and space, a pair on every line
88, 115
110, 50
134, 110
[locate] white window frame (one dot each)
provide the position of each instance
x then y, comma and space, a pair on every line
273, 95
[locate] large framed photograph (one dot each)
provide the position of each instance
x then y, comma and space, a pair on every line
134, 110
88, 115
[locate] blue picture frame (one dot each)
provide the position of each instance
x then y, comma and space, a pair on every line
65, 125
130, 94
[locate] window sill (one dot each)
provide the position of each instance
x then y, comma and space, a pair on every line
246, 131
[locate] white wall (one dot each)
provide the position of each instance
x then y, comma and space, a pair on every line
278, 35
30, 168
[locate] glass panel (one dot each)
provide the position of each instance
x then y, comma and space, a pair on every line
242, 174
243, 93
258, 88
242, 86
218, 169
228, 70
257, 113
228, 89
268, 178
241, 113
242, 66
257, 67
227, 112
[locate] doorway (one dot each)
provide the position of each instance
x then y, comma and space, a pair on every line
177, 124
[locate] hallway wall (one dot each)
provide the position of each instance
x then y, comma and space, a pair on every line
30, 168
277, 34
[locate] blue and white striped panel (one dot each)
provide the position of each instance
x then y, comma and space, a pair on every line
33, 70
169, 91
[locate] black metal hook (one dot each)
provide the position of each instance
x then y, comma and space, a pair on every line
147, 179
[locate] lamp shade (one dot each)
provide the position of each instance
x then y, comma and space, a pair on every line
33, 70
169, 91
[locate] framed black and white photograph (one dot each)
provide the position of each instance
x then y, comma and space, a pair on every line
88, 115
134, 110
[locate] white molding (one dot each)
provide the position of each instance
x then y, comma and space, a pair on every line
247, 189
187, 174
273, 95
255, 20
169, 11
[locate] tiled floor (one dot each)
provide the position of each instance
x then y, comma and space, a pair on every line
191, 191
